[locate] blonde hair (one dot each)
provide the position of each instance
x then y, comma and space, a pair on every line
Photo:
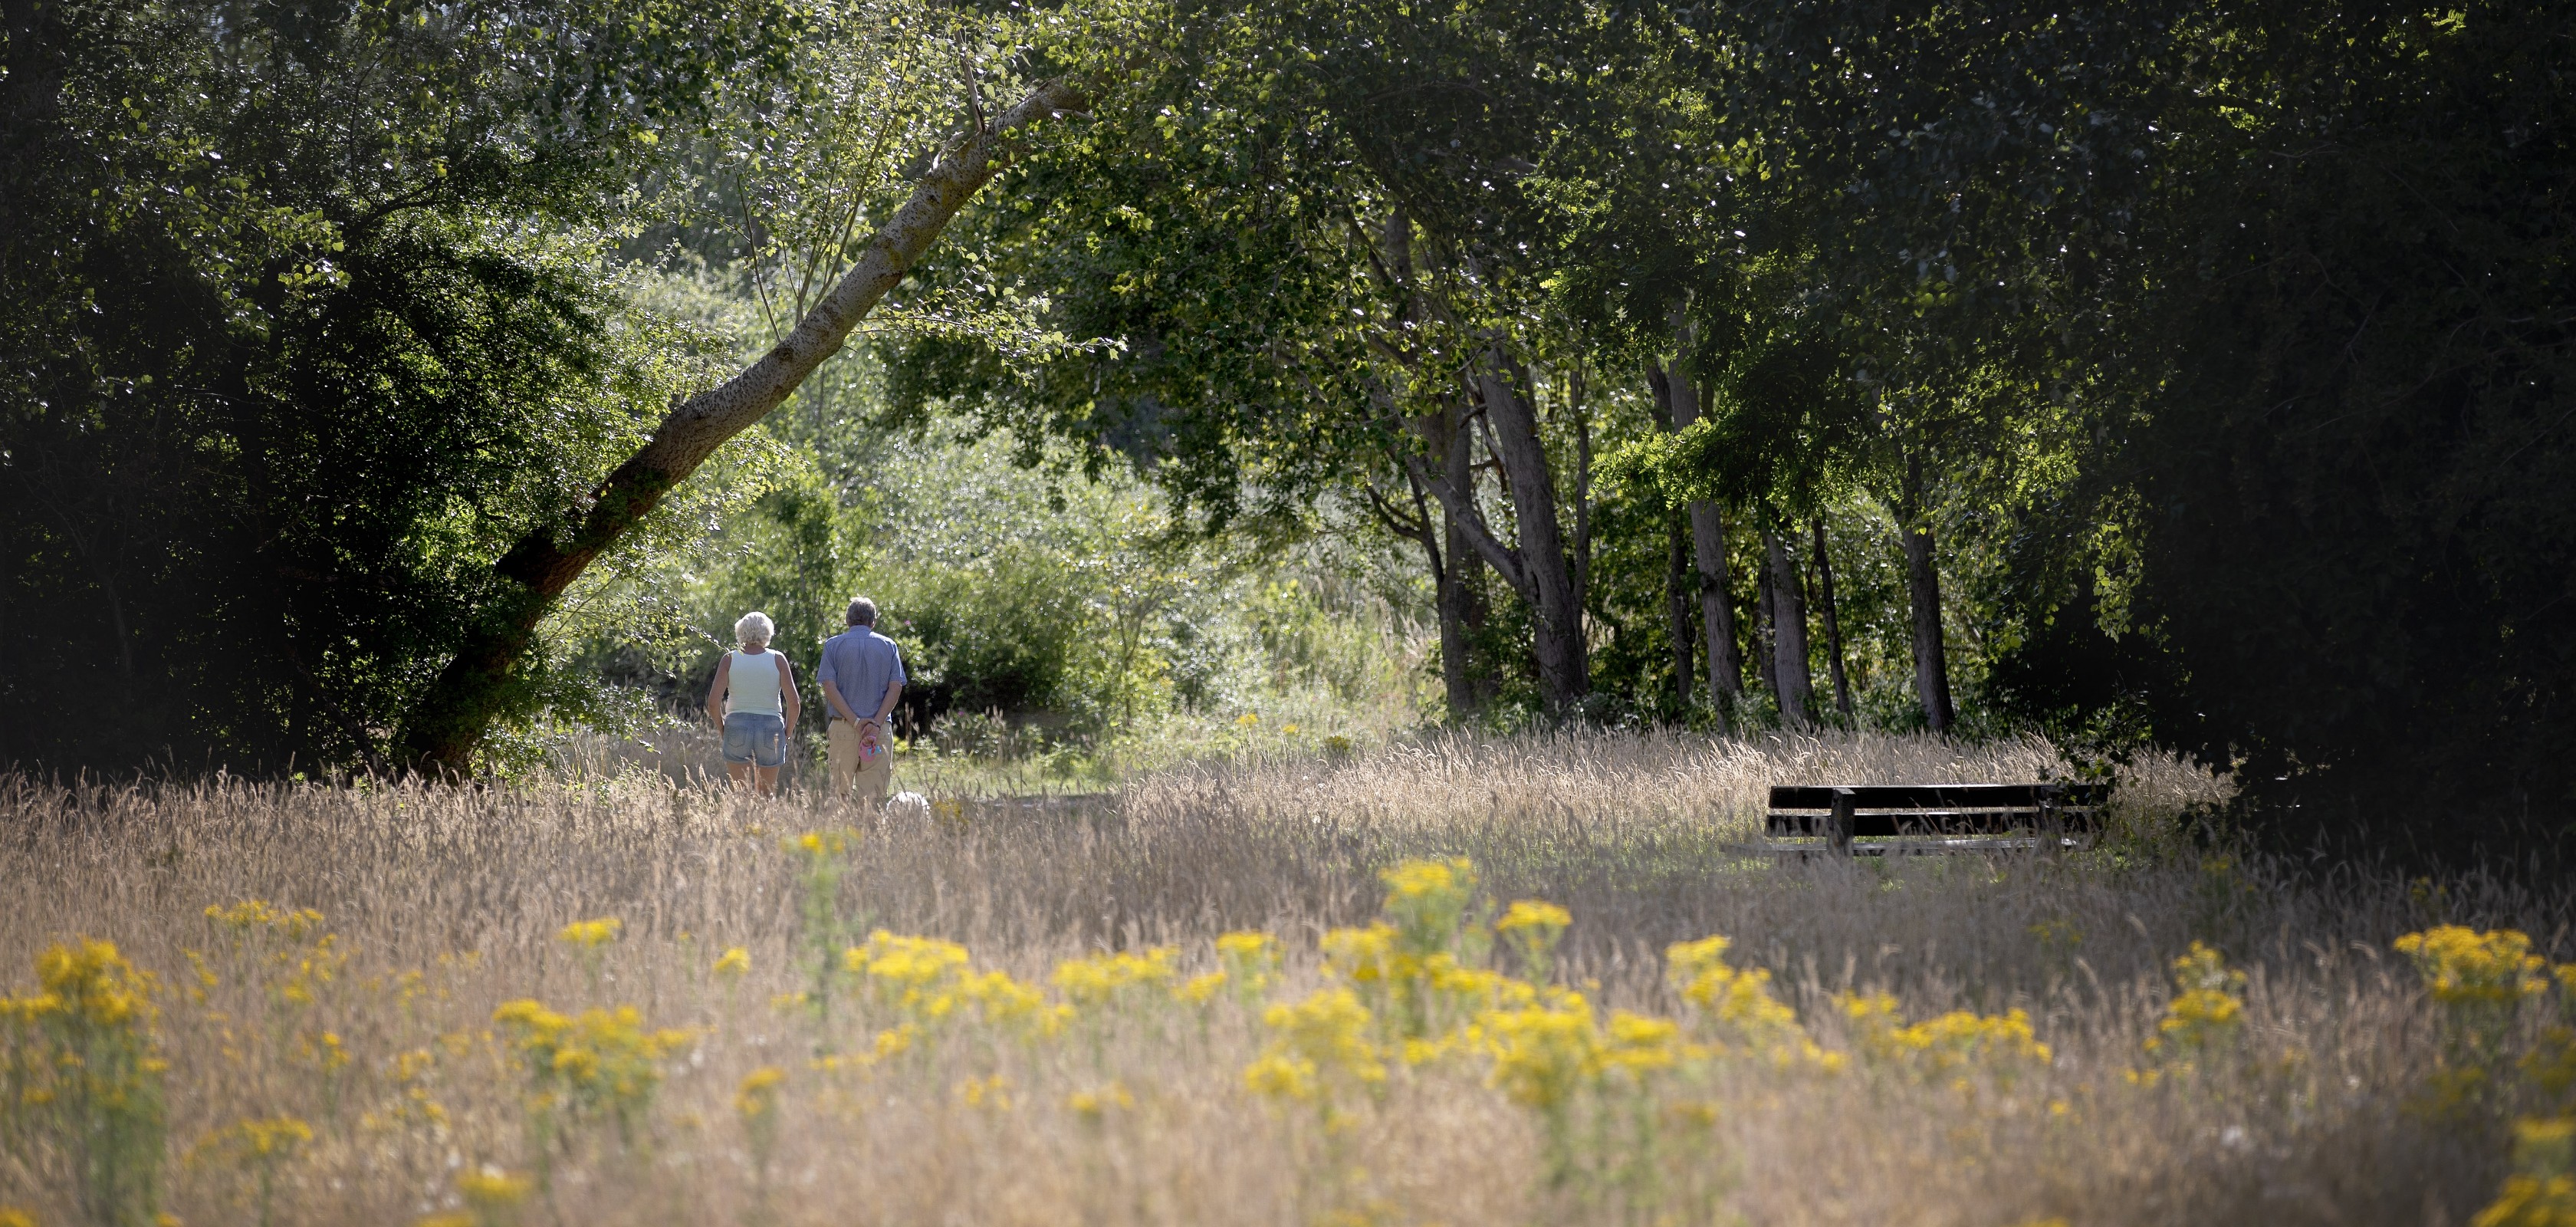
754, 629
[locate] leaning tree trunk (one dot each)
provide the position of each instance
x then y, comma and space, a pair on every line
1789, 627
1557, 629
1460, 595
445, 727
1923, 586
1538, 567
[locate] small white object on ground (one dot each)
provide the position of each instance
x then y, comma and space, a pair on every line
908, 806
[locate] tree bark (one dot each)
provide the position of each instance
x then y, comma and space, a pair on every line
1538, 567
1833, 623
1923, 587
1563, 673
1459, 590
1581, 560
449, 722
1458, 567
1789, 629
1708, 553
1469, 612
1766, 620
1680, 581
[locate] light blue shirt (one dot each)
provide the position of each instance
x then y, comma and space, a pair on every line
861, 664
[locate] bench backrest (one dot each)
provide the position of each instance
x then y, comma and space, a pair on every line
1907, 809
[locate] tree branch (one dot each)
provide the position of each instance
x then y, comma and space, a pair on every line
447, 725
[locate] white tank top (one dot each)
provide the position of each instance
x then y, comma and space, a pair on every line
752, 685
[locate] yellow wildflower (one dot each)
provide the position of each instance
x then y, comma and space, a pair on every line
910, 963
1101, 979
1533, 927
1638, 1043
1535, 916
1201, 989
1005, 1001
2465, 967
251, 916
2542, 1190
591, 934
1324, 1035
254, 1141
1281, 1076
1250, 957
602, 1060
757, 1094
323, 1052
2480, 980
992, 1092
90, 984
734, 963
1363, 956
1737, 1004
820, 844
1542, 1052
895, 1041
1099, 1100
950, 813
1954, 1041
1462, 992
1427, 900
2551, 1064
490, 1189
2205, 1012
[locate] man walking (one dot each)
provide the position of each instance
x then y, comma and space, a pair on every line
862, 678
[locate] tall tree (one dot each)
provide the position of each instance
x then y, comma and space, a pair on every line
1833, 622
1923, 595
1709, 564
443, 730
1314, 278
309, 319
1792, 676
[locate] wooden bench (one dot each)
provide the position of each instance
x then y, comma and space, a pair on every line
1917, 819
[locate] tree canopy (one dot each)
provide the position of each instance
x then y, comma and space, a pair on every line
2174, 372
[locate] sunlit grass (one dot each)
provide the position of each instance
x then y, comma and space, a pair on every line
1448, 981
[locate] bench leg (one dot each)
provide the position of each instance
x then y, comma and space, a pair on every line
1838, 829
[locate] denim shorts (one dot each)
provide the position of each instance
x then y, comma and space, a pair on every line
754, 737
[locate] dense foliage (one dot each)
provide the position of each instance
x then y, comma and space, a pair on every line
308, 319
2214, 351
2175, 372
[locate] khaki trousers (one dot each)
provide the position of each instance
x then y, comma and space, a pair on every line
841, 759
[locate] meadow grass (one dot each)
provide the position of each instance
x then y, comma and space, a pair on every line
1011, 1012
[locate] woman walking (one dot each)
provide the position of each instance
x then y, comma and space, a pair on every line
754, 701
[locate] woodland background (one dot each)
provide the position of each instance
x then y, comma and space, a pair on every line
2164, 374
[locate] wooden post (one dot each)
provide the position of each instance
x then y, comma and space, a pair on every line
1838, 829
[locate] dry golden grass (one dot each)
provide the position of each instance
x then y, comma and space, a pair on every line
2326, 1110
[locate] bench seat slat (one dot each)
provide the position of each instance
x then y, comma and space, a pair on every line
1953, 816
1883, 825
1915, 847
1936, 796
